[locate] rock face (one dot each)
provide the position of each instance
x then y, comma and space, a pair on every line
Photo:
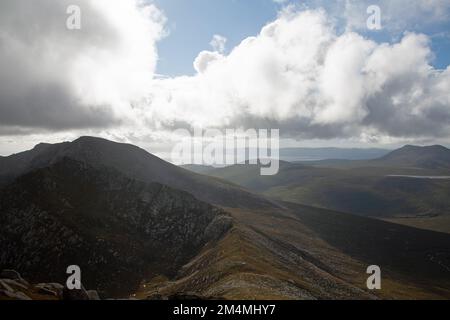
118, 230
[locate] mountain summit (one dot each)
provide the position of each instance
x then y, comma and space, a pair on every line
132, 161
428, 157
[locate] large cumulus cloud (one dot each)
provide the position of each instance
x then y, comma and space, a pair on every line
303, 77
55, 78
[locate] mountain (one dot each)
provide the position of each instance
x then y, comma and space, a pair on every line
308, 253
198, 168
84, 203
131, 161
116, 229
389, 187
309, 154
429, 157
435, 158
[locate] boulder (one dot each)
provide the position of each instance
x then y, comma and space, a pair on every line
15, 295
74, 294
13, 275
5, 286
8, 289
15, 284
53, 289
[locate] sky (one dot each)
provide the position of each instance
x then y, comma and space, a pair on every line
192, 24
138, 71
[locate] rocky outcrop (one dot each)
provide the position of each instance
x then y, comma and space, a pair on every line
76, 294
118, 230
11, 289
13, 275
14, 287
52, 289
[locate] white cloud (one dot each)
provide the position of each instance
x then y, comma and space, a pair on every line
218, 43
204, 59
56, 78
301, 76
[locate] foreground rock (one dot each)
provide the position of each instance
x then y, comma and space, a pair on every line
53, 289
72, 295
14, 287
93, 295
13, 275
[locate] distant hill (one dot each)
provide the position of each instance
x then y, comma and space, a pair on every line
379, 188
430, 157
436, 158
310, 154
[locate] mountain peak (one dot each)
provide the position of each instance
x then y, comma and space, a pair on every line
431, 157
135, 163
41, 146
424, 148
91, 139
412, 150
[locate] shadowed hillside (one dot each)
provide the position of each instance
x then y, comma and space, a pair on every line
83, 203
131, 161
116, 229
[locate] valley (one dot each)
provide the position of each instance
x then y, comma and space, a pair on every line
386, 188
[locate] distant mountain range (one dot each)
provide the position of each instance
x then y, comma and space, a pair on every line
310, 154
387, 187
139, 226
427, 157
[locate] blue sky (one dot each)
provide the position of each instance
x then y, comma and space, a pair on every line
192, 24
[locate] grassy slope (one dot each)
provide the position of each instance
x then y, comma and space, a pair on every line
359, 190
440, 224
306, 253
370, 195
